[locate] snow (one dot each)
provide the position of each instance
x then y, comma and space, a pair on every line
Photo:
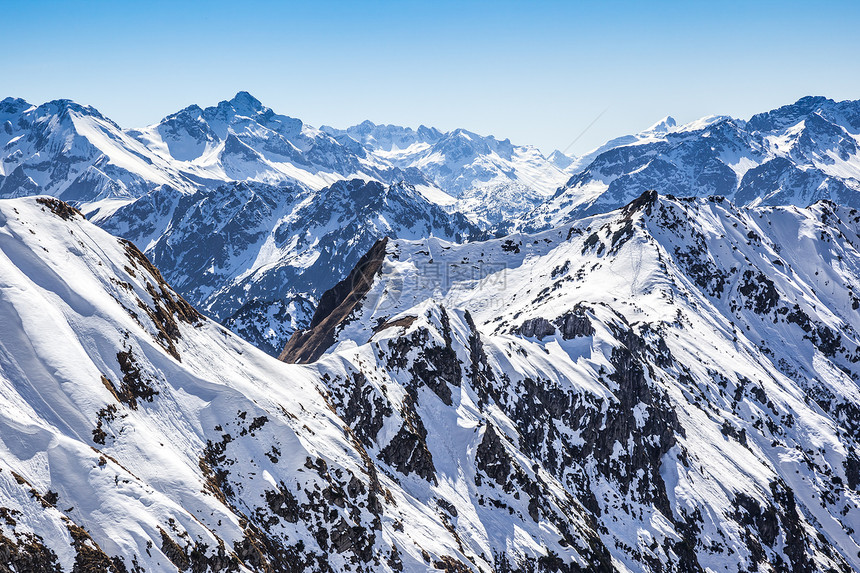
121, 153
645, 282
735, 309
67, 312
796, 158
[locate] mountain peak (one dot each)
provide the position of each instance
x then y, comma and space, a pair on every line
13, 105
62, 105
809, 101
245, 102
665, 125
13, 101
561, 160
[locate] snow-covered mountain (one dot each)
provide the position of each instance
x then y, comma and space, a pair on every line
243, 140
137, 435
793, 155
257, 257
251, 216
71, 151
562, 160
683, 372
672, 386
465, 165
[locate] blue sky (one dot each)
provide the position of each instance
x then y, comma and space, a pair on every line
536, 72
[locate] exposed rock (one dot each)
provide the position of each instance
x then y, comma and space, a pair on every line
169, 306
335, 306
26, 553
491, 457
407, 451
575, 323
60, 208
536, 327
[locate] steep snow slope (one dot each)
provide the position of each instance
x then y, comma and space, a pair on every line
257, 257
794, 155
137, 435
686, 370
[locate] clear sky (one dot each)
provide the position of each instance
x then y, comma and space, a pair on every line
536, 72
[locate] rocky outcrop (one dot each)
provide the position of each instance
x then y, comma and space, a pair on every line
407, 451
60, 208
334, 308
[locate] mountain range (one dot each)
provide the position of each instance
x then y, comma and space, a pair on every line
235, 342
669, 386
296, 206
71, 151
793, 155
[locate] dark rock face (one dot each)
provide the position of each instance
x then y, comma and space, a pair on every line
435, 367
492, 458
852, 471
60, 208
360, 406
652, 440
135, 384
766, 524
479, 373
167, 307
26, 553
335, 307
407, 451
438, 367
541, 411
545, 416
759, 291
536, 327
575, 324
90, 556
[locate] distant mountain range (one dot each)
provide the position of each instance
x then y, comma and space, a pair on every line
71, 151
794, 155
252, 215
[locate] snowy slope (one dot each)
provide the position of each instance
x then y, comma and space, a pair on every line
138, 435
686, 370
793, 155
